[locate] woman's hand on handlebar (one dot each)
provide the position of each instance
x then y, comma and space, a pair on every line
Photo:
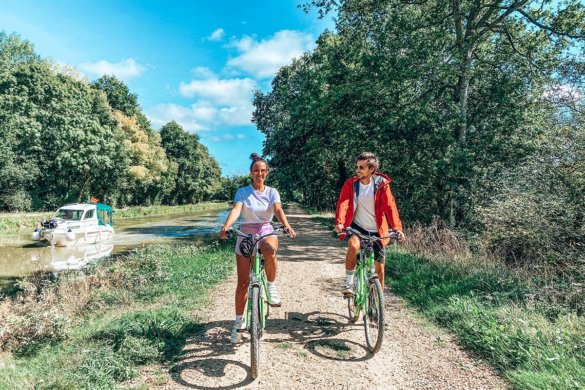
223, 233
290, 231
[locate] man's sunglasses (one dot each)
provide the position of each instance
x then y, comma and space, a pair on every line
362, 167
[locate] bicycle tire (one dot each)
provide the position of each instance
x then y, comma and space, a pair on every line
255, 331
353, 316
374, 318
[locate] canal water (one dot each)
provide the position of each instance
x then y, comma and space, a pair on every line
20, 256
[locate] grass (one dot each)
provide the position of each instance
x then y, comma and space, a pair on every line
17, 221
113, 319
495, 315
286, 345
143, 211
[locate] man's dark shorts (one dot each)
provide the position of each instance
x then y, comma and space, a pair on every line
379, 252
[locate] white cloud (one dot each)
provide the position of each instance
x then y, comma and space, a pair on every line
224, 137
123, 70
219, 103
224, 102
203, 72
225, 92
262, 59
217, 35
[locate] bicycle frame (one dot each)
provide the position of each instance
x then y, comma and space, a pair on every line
257, 279
365, 270
257, 276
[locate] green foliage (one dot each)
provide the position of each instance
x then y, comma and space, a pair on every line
198, 174
229, 185
497, 317
63, 140
118, 94
452, 96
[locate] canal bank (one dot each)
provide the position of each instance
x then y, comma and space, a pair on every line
20, 257
93, 329
12, 223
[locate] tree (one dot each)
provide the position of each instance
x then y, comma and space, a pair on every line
118, 94
451, 95
198, 173
58, 134
150, 174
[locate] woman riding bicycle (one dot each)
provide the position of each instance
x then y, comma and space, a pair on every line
258, 204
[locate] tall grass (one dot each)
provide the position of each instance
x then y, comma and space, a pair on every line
17, 221
109, 321
497, 316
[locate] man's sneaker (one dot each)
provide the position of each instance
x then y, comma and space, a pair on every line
348, 290
273, 295
239, 326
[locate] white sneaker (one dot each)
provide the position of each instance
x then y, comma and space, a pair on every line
273, 295
348, 289
239, 326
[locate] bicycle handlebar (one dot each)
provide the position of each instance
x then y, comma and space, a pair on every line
393, 235
278, 230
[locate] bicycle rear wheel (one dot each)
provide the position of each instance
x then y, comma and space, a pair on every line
255, 332
374, 317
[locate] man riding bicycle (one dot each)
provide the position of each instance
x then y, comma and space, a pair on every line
367, 205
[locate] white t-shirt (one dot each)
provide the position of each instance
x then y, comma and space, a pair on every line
257, 206
365, 214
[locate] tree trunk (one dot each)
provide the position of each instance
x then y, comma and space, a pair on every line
463, 97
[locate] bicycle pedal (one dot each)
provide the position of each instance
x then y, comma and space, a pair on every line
348, 294
241, 330
275, 304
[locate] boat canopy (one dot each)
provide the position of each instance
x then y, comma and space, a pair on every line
104, 214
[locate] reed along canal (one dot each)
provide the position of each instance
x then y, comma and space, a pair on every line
20, 256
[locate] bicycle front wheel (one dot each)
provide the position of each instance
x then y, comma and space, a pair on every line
351, 310
255, 331
374, 316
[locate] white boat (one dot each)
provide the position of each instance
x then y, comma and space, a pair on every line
77, 224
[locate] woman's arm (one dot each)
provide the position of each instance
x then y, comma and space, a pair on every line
279, 212
231, 219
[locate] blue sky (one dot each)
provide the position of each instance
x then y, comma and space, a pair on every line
195, 62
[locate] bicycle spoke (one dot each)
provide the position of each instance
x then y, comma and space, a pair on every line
374, 317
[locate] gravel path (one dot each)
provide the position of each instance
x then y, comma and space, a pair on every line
309, 342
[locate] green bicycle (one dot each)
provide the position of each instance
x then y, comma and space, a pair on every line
368, 295
257, 309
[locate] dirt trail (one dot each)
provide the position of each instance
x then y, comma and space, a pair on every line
309, 342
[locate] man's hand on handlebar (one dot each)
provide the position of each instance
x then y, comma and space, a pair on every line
338, 228
401, 236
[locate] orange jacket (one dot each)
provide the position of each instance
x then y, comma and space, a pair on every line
384, 204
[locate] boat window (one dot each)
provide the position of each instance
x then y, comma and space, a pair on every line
88, 214
68, 214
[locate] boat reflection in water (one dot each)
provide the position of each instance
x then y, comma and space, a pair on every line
19, 262
75, 257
